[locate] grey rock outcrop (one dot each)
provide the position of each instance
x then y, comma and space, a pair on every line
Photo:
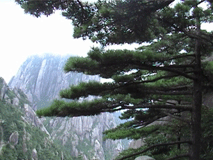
14, 138
144, 158
34, 154
136, 143
6, 94
3, 88
208, 100
31, 118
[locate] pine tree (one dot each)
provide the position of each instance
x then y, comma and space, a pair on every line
165, 78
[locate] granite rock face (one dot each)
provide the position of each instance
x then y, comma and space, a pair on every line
31, 118
41, 78
14, 138
136, 143
20, 128
144, 158
83, 135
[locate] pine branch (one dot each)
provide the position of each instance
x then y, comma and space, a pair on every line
159, 78
145, 124
148, 67
158, 91
178, 118
151, 147
121, 107
191, 35
166, 92
200, 37
184, 107
179, 156
140, 81
200, 2
180, 66
180, 56
185, 87
83, 11
155, 79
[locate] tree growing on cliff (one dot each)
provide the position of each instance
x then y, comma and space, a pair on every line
165, 78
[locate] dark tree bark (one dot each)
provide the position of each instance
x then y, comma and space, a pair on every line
197, 101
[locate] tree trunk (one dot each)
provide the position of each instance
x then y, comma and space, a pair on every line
196, 121
197, 101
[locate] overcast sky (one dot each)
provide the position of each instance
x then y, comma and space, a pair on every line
22, 35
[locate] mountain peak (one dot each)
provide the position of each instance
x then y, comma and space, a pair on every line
42, 78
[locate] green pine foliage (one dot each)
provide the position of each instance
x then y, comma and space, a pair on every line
171, 132
165, 78
207, 132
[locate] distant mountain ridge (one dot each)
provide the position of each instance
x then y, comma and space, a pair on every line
41, 78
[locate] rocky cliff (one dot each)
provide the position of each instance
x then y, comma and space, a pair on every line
41, 78
83, 136
22, 134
